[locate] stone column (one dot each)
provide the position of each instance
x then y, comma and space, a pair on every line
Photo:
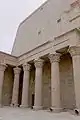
38, 84
55, 82
25, 92
75, 53
15, 87
2, 69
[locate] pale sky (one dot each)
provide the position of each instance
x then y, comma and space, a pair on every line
12, 12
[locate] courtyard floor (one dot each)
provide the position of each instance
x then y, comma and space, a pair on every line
7, 113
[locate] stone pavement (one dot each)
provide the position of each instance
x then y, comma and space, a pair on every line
7, 113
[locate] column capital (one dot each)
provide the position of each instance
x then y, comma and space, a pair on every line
74, 50
17, 70
2, 67
38, 63
54, 57
26, 67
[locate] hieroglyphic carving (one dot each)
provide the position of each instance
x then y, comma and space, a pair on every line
75, 4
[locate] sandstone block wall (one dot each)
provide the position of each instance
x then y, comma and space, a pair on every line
8, 86
67, 82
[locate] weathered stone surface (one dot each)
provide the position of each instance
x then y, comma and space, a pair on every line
23, 114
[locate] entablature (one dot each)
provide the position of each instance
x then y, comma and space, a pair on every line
8, 59
70, 38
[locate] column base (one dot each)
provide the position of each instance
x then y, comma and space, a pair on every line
1, 105
56, 110
37, 107
77, 111
24, 106
14, 105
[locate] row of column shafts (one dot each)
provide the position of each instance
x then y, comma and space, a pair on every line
55, 81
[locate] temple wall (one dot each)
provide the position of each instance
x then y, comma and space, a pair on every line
67, 82
46, 85
41, 26
7, 86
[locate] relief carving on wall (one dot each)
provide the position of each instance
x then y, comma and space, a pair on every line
70, 14
75, 4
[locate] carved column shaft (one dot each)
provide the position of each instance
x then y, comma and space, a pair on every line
75, 53
2, 69
25, 92
16, 86
55, 82
38, 84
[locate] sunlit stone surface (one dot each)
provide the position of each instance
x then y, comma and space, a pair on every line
27, 114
